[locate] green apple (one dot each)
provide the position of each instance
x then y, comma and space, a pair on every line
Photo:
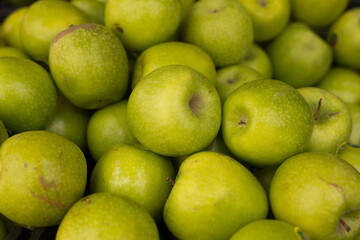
11, 27
265, 176
108, 127
231, 77
95, 10
355, 129
269, 17
70, 121
269, 229
319, 13
136, 173
319, 193
343, 82
43, 21
174, 111
344, 37
42, 175
332, 120
89, 65
107, 216
173, 53
213, 196
13, 52
142, 24
265, 122
257, 59
222, 28
27, 95
350, 153
299, 56
3, 133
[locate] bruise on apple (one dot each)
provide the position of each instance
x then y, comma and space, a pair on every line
72, 28
118, 28
47, 187
262, 3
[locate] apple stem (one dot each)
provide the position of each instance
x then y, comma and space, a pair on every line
317, 109
169, 179
343, 223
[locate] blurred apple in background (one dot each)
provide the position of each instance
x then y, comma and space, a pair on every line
355, 129
11, 27
13, 52
94, 9
350, 153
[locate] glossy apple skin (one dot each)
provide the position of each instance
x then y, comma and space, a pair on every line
174, 111
213, 196
350, 153
314, 190
265, 122
257, 59
332, 122
107, 216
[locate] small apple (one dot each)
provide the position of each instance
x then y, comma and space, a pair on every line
350, 153
107, 216
13, 52
3, 133
174, 111
355, 129
213, 196
319, 193
93, 9
265, 122
11, 27
332, 120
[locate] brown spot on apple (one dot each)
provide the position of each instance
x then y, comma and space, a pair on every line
169, 179
87, 200
25, 165
47, 186
118, 28
262, 3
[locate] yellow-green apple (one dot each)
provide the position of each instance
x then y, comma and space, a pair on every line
136, 173
343, 82
108, 127
319, 193
332, 120
350, 153
3, 133
140, 24
89, 65
213, 196
231, 77
265, 122
13, 52
257, 59
173, 53
355, 129
269, 229
317, 14
107, 216
42, 175
11, 27
95, 10
269, 17
28, 95
222, 28
43, 21
344, 37
174, 111
299, 56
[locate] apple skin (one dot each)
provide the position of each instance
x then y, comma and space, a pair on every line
28, 96
173, 53
349, 153
257, 59
269, 229
269, 18
344, 37
136, 173
213, 196
299, 56
11, 27
42, 175
355, 129
332, 121
222, 28
89, 65
43, 21
140, 24
343, 82
174, 111
13, 52
316, 191
94, 10
3, 133
265, 122
107, 216
108, 127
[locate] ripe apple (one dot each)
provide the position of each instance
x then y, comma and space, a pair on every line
355, 129
222, 28
107, 216
332, 120
319, 193
3, 133
173, 53
269, 229
11, 27
269, 17
213, 196
13, 52
140, 24
350, 153
108, 127
42, 175
89, 65
136, 173
299, 56
265, 122
94, 10
28, 95
174, 111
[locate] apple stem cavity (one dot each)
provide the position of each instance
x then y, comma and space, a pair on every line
243, 121
262, 3
169, 179
343, 223
333, 114
317, 109
195, 103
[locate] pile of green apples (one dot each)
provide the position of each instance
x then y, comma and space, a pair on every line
181, 119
